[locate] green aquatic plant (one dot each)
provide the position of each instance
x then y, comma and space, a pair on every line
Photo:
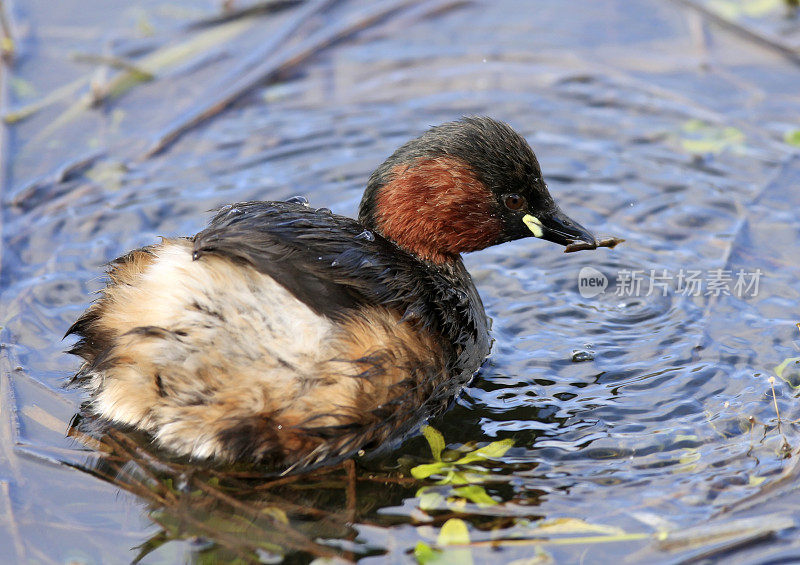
793, 137
699, 137
453, 544
453, 532
461, 470
794, 380
457, 471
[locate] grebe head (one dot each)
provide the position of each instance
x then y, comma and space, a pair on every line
464, 186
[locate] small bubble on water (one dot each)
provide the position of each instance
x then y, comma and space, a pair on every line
366, 235
580, 355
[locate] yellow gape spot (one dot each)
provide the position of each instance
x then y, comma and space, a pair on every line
533, 224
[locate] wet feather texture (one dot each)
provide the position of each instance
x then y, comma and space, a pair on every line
275, 349
288, 335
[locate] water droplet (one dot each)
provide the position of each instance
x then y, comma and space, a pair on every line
326, 211
298, 200
334, 263
366, 235
226, 208
234, 212
581, 355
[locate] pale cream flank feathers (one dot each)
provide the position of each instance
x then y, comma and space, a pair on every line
201, 347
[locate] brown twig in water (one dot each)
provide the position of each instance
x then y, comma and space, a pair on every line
232, 13
243, 73
284, 481
405, 481
785, 448
350, 467
116, 443
422, 12
290, 536
768, 40
275, 62
128, 482
297, 509
771, 381
611, 242
164, 497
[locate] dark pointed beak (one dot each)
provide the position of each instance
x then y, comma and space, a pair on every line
559, 228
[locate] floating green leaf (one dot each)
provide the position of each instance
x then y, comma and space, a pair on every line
494, 450
779, 370
435, 440
699, 137
426, 470
476, 494
792, 137
453, 532
425, 554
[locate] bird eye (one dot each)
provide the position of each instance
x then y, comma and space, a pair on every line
514, 201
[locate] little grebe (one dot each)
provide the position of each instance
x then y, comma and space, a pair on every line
291, 336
